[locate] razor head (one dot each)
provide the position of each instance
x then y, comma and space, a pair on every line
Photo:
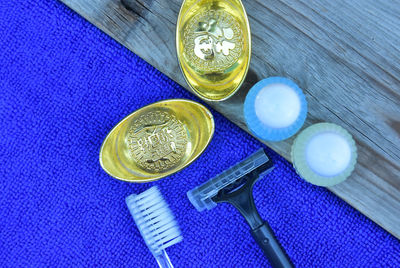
201, 197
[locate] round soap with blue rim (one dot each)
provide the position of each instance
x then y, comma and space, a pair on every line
275, 109
324, 154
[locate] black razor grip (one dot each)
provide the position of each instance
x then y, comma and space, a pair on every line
266, 240
240, 194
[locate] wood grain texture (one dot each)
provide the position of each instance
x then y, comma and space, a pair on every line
345, 55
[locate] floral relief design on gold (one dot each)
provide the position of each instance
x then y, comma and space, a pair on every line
213, 41
157, 141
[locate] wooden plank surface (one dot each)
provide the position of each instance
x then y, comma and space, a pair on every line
345, 55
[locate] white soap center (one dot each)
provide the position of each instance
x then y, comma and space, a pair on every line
277, 105
328, 154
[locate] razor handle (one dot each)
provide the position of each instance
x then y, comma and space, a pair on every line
266, 240
240, 195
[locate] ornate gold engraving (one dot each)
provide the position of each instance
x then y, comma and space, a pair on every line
157, 141
213, 41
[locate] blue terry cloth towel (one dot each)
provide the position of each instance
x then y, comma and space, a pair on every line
64, 84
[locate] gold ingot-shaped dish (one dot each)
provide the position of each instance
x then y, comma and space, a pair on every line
157, 140
213, 44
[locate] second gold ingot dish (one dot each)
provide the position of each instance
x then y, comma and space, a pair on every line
157, 140
213, 46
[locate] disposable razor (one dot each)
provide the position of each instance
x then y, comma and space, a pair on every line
235, 186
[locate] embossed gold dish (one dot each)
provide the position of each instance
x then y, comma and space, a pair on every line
213, 45
157, 140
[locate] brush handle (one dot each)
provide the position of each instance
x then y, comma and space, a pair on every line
265, 238
163, 260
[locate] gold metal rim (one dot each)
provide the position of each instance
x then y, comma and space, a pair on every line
212, 130
180, 64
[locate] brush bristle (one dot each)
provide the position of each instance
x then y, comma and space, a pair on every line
154, 219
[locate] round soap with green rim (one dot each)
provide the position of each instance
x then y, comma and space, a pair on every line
324, 154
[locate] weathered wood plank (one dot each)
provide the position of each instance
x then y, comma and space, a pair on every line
344, 54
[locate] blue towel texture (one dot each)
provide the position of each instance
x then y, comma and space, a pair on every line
64, 85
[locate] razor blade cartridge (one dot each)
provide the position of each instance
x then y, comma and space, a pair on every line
201, 196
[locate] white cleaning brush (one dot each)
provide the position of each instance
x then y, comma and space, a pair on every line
155, 222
